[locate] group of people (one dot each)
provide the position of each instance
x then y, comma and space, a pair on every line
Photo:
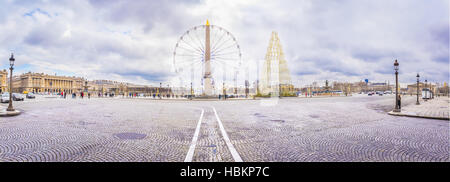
74, 95
106, 95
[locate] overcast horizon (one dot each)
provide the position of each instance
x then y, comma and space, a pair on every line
133, 41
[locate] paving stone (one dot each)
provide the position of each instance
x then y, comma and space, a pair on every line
436, 108
354, 128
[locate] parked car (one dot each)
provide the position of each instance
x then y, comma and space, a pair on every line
17, 97
4, 98
370, 94
30, 95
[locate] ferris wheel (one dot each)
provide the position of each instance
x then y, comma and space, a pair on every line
190, 56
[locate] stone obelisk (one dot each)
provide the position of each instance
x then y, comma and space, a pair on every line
207, 77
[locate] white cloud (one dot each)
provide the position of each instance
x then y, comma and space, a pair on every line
133, 40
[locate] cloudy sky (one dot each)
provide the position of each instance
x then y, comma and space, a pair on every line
133, 41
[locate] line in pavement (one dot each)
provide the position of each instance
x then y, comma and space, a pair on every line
190, 153
233, 151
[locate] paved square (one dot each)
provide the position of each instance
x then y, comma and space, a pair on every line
354, 128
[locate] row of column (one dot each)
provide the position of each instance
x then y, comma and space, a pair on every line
58, 83
43, 85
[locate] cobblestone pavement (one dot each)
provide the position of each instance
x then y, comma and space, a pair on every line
211, 145
437, 108
333, 129
97, 130
295, 129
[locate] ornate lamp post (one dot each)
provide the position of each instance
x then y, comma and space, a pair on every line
397, 108
417, 102
432, 93
224, 90
426, 92
11, 63
192, 93
247, 84
159, 91
168, 91
279, 90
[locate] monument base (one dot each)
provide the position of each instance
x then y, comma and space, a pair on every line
5, 113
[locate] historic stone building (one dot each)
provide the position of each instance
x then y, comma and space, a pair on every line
104, 87
3, 81
367, 87
412, 89
108, 87
42, 83
148, 90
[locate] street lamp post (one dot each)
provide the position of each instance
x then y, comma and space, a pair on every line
11, 63
279, 90
426, 92
224, 90
417, 102
246, 88
432, 93
159, 91
397, 108
192, 93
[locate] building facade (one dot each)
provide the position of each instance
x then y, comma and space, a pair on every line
106, 87
43, 83
110, 88
412, 89
3, 81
